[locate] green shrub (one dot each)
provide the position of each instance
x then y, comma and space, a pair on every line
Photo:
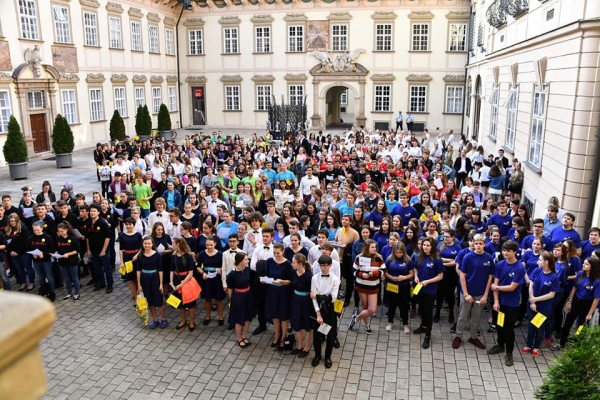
15, 148
164, 118
143, 121
62, 136
575, 375
117, 127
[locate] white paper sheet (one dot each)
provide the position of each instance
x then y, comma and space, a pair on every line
267, 280
324, 329
35, 252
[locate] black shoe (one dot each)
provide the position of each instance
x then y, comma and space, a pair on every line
302, 354
109, 289
91, 283
436, 317
10, 274
336, 344
328, 363
316, 361
230, 327
260, 329
52, 297
426, 341
419, 330
295, 351
99, 287
453, 328
451, 318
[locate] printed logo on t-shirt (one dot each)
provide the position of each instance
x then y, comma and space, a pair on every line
589, 287
511, 274
486, 264
429, 265
548, 283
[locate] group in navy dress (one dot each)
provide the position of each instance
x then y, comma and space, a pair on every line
241, 309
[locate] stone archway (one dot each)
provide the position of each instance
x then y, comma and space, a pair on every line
323, 81
332, 112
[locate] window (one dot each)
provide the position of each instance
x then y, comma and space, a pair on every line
468, 102
169, 42
120, 104
136, 36
296, 38
471, 30
383, 37
172, 98
344, 97
454, 99
538, 122
153, 34
458, 37
230, 40
494, 122
69, 105
28, 18
418, 99
296, 96
232, 98
140, 97
420, 37
4, 111
195, 40
96, 105
36, 99
114, 24
511, 118
339, 37
90, 24
263, 39
383, 98
263, 97
156, 99
62, 30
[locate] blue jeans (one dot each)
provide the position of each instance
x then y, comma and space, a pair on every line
535, 335
44, 271
3, 275
144, 212
24, 269
70, 275
102, 271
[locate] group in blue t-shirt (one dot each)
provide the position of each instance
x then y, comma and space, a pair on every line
477, 269
507, 274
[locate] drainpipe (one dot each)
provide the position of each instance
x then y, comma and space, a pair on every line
462, 122
589, 213
178, 67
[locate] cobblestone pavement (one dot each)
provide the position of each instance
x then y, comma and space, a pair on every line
98, 349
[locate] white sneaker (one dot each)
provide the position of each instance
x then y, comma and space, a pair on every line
406, 329
389, 327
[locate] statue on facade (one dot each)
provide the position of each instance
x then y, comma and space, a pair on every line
344, 62
268, 125
277, 126
34, 59
325, 60
306, 125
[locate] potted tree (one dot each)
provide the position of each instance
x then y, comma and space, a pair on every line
117, 127
15, 151
143, 122
164, 122
62, 142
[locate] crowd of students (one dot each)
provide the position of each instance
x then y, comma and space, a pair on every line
285, 229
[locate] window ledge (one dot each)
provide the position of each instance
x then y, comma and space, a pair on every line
456, 52
295, 52
98, 122
154, 53
63, 44
195, 55
383, 51
76, 124
419, 112
119, 49
31, 40
170, 55
493, 139
420, 51
91, 47
231, 54
261, 110
261, 52
534, 168
448, 113
382, 112
232, 111
137, 51
508, 150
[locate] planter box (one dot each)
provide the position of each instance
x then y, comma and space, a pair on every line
64, 160
168, 135
19, 171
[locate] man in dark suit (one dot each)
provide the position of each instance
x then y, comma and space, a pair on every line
304, 143
462, 166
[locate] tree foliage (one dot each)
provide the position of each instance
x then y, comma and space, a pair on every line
62, 136
164, 118
117, 127
15, 148
143, 121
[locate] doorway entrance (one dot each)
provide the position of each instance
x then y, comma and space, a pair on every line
199, 105
38, 132
340, 110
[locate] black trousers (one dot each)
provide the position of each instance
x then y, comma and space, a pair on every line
259, 292
579, 310
506, 333
329, 318
348, 272
558, 311
398, 125
399, 300
523, 306
426, 308
446, 290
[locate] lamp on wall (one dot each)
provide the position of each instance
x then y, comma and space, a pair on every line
472, 54
482, 50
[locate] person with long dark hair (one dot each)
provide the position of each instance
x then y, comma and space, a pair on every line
67, 245
241, 309
301, 307
448, 250
278, 297
149, 281
398, 274
210, 262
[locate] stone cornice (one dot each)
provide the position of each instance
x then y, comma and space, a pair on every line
156, 79
169, 21
119, 78
95, 78
421, 15
135, 12
339, 16
172, 78
383, 77
231, 78
68, 78
419, 78
114, 7
384, 15
6, 76
230, 20
458, 15
295, 77
154, 17
194, 22
196, 79
296, 17
454, 78
262, 19
263, 78
139, 79
90, 3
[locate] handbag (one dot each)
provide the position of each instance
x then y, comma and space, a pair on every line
290, 341
191, 290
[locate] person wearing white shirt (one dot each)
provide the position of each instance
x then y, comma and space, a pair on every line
160, 215
178, 167
173, 227
307, 181
140, 226
316, 251
196, 162
327, 250
214, 202
156, 170
253, 237
294, 228
258, 264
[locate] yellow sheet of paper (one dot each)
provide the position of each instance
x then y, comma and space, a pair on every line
391, 287
538, 320
122, 270
500, 321
412, 291
578, 331
417, 289
128, 266
173, 301
338, 306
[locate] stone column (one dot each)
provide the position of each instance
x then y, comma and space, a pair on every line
316, 117
361, 119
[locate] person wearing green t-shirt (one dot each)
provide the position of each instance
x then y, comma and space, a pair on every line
143, 194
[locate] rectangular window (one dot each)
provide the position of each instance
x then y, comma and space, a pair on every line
4, 111
230, 40
494, 121
296, 94
114, 26
418, 99
156, 99
140, 97
538, 128
511, 118
263, 39
232, 98
120, 102
383, 37
136, 36
36, 100
169, 42
28, 19
458, 37
69, 105
263, 97
90, 24
296, 38
172, 98
96, 105
195, 41
339, 37
153, 34
454, 99
383, 97
420, 37
62, 29
344, 97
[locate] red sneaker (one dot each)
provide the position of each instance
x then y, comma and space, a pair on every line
535, 352
478, 343
526, 350
456, 342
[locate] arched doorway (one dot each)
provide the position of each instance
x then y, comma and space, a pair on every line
477, 111
340, 107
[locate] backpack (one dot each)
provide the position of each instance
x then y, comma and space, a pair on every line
290, 340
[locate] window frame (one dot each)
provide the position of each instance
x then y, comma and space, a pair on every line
90, 30
233, 41
172, 98
295, 99
95, 110
381, 98
153, 41
112, 42
494, 100
63, 26
541, 121
383, 36
425, 97
342, 38
137, 43
230, 97
156, 100
454, 99
139, 101
196, 41
69, 107
123, 100
455, 37
263, 100
30, 18
169, 42
32, 100
265, 40
414, 36
511, 104
297, 39
5, 111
